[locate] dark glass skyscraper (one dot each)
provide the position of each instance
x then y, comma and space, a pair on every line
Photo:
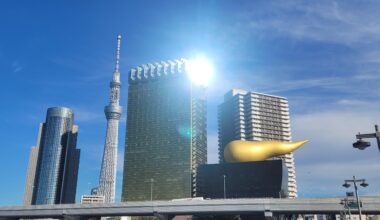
56, 160
166, 133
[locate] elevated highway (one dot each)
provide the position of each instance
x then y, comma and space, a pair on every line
166, 209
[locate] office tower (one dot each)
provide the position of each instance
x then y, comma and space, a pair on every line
166, 132
30, 176
31, 173
107, 180
254, 116
54, 162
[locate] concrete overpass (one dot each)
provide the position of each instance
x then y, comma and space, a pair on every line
167, 209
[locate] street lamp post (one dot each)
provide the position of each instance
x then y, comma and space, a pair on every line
151, 189
47, 200
349, 213
224, 186
361, 145
363, 184
344, 202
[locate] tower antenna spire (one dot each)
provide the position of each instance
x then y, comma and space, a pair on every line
118, 53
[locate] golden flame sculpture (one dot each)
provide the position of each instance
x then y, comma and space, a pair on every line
244, 151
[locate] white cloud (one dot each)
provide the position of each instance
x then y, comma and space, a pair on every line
335, 126
372, 57
85, 115
357, 103
327, 82
327, 21
326, 179
16, 66
368, 76
358, 85
329, 157
89, 70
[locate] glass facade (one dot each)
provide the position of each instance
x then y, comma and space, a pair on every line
166, 136
58, 159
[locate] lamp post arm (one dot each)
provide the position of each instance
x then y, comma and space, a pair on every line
371, 135
355, 181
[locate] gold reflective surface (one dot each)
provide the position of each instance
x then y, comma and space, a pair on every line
244, 151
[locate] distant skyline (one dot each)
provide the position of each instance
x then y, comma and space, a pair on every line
323, 56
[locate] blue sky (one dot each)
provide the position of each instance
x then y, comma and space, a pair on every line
323, 55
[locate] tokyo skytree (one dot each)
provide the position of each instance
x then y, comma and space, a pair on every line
112, 111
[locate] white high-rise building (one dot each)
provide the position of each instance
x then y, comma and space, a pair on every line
107, 181
255, 116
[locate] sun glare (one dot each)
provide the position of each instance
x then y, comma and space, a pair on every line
199, 70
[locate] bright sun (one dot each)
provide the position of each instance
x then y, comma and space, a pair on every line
199, 70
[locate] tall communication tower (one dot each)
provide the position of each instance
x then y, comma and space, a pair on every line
112, 111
